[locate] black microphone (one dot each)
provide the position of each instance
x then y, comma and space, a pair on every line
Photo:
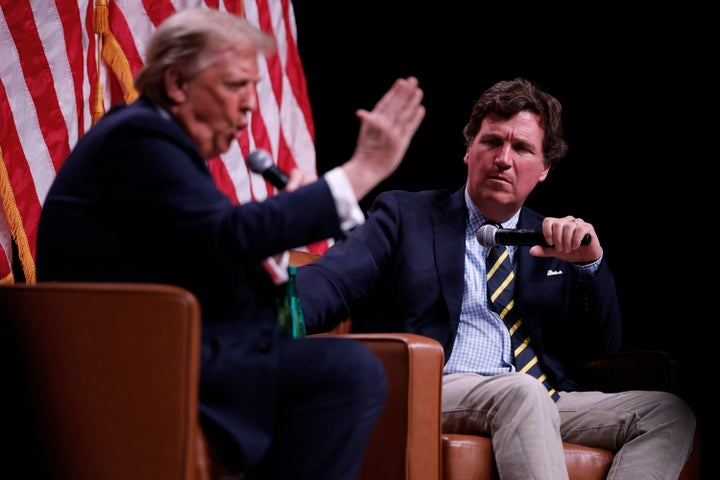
490, 235
261, 162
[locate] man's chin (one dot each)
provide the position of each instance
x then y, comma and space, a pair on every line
499, 197
500, 191
222, 147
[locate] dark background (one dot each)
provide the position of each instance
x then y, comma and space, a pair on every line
640, 108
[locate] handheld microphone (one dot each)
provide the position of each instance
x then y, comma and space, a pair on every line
261, 162
490, 235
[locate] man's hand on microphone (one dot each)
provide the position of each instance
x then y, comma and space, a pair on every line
296, 179
565, 235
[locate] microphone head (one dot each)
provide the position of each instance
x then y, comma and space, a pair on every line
259, 160
486, 235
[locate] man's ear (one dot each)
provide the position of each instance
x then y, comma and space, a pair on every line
544, 173
174, 85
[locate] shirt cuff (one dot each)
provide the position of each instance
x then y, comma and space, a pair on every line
348, 209
277, 266
587, 272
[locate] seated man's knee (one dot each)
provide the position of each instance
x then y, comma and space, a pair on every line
361, 370
524, 384
525, 391
672, 410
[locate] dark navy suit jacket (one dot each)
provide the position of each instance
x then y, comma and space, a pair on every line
403, 271
135, 201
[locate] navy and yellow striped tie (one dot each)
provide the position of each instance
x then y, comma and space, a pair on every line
500, 287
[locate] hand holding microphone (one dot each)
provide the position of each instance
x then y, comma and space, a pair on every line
489, 235
568, 227
260, 161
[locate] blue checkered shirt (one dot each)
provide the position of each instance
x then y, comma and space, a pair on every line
482, 344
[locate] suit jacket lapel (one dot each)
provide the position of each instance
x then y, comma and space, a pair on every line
448, 223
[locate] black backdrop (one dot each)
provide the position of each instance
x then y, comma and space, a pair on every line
636, 91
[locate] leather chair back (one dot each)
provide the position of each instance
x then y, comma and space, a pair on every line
104, 381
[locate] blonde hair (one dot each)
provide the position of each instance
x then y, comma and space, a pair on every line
191, 39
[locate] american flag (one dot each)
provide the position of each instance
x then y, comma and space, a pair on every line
65, 62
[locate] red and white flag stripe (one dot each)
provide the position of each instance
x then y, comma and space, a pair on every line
49, 75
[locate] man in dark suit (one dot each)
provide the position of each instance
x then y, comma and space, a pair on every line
416, 265
135, 202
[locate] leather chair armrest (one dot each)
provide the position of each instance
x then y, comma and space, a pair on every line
631, 370
406, 442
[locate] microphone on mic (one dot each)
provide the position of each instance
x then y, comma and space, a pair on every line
261, 162
490, 235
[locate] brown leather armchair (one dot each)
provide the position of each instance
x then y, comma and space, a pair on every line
105, 381
102, 384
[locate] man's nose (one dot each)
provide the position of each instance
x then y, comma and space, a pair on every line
503, 155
